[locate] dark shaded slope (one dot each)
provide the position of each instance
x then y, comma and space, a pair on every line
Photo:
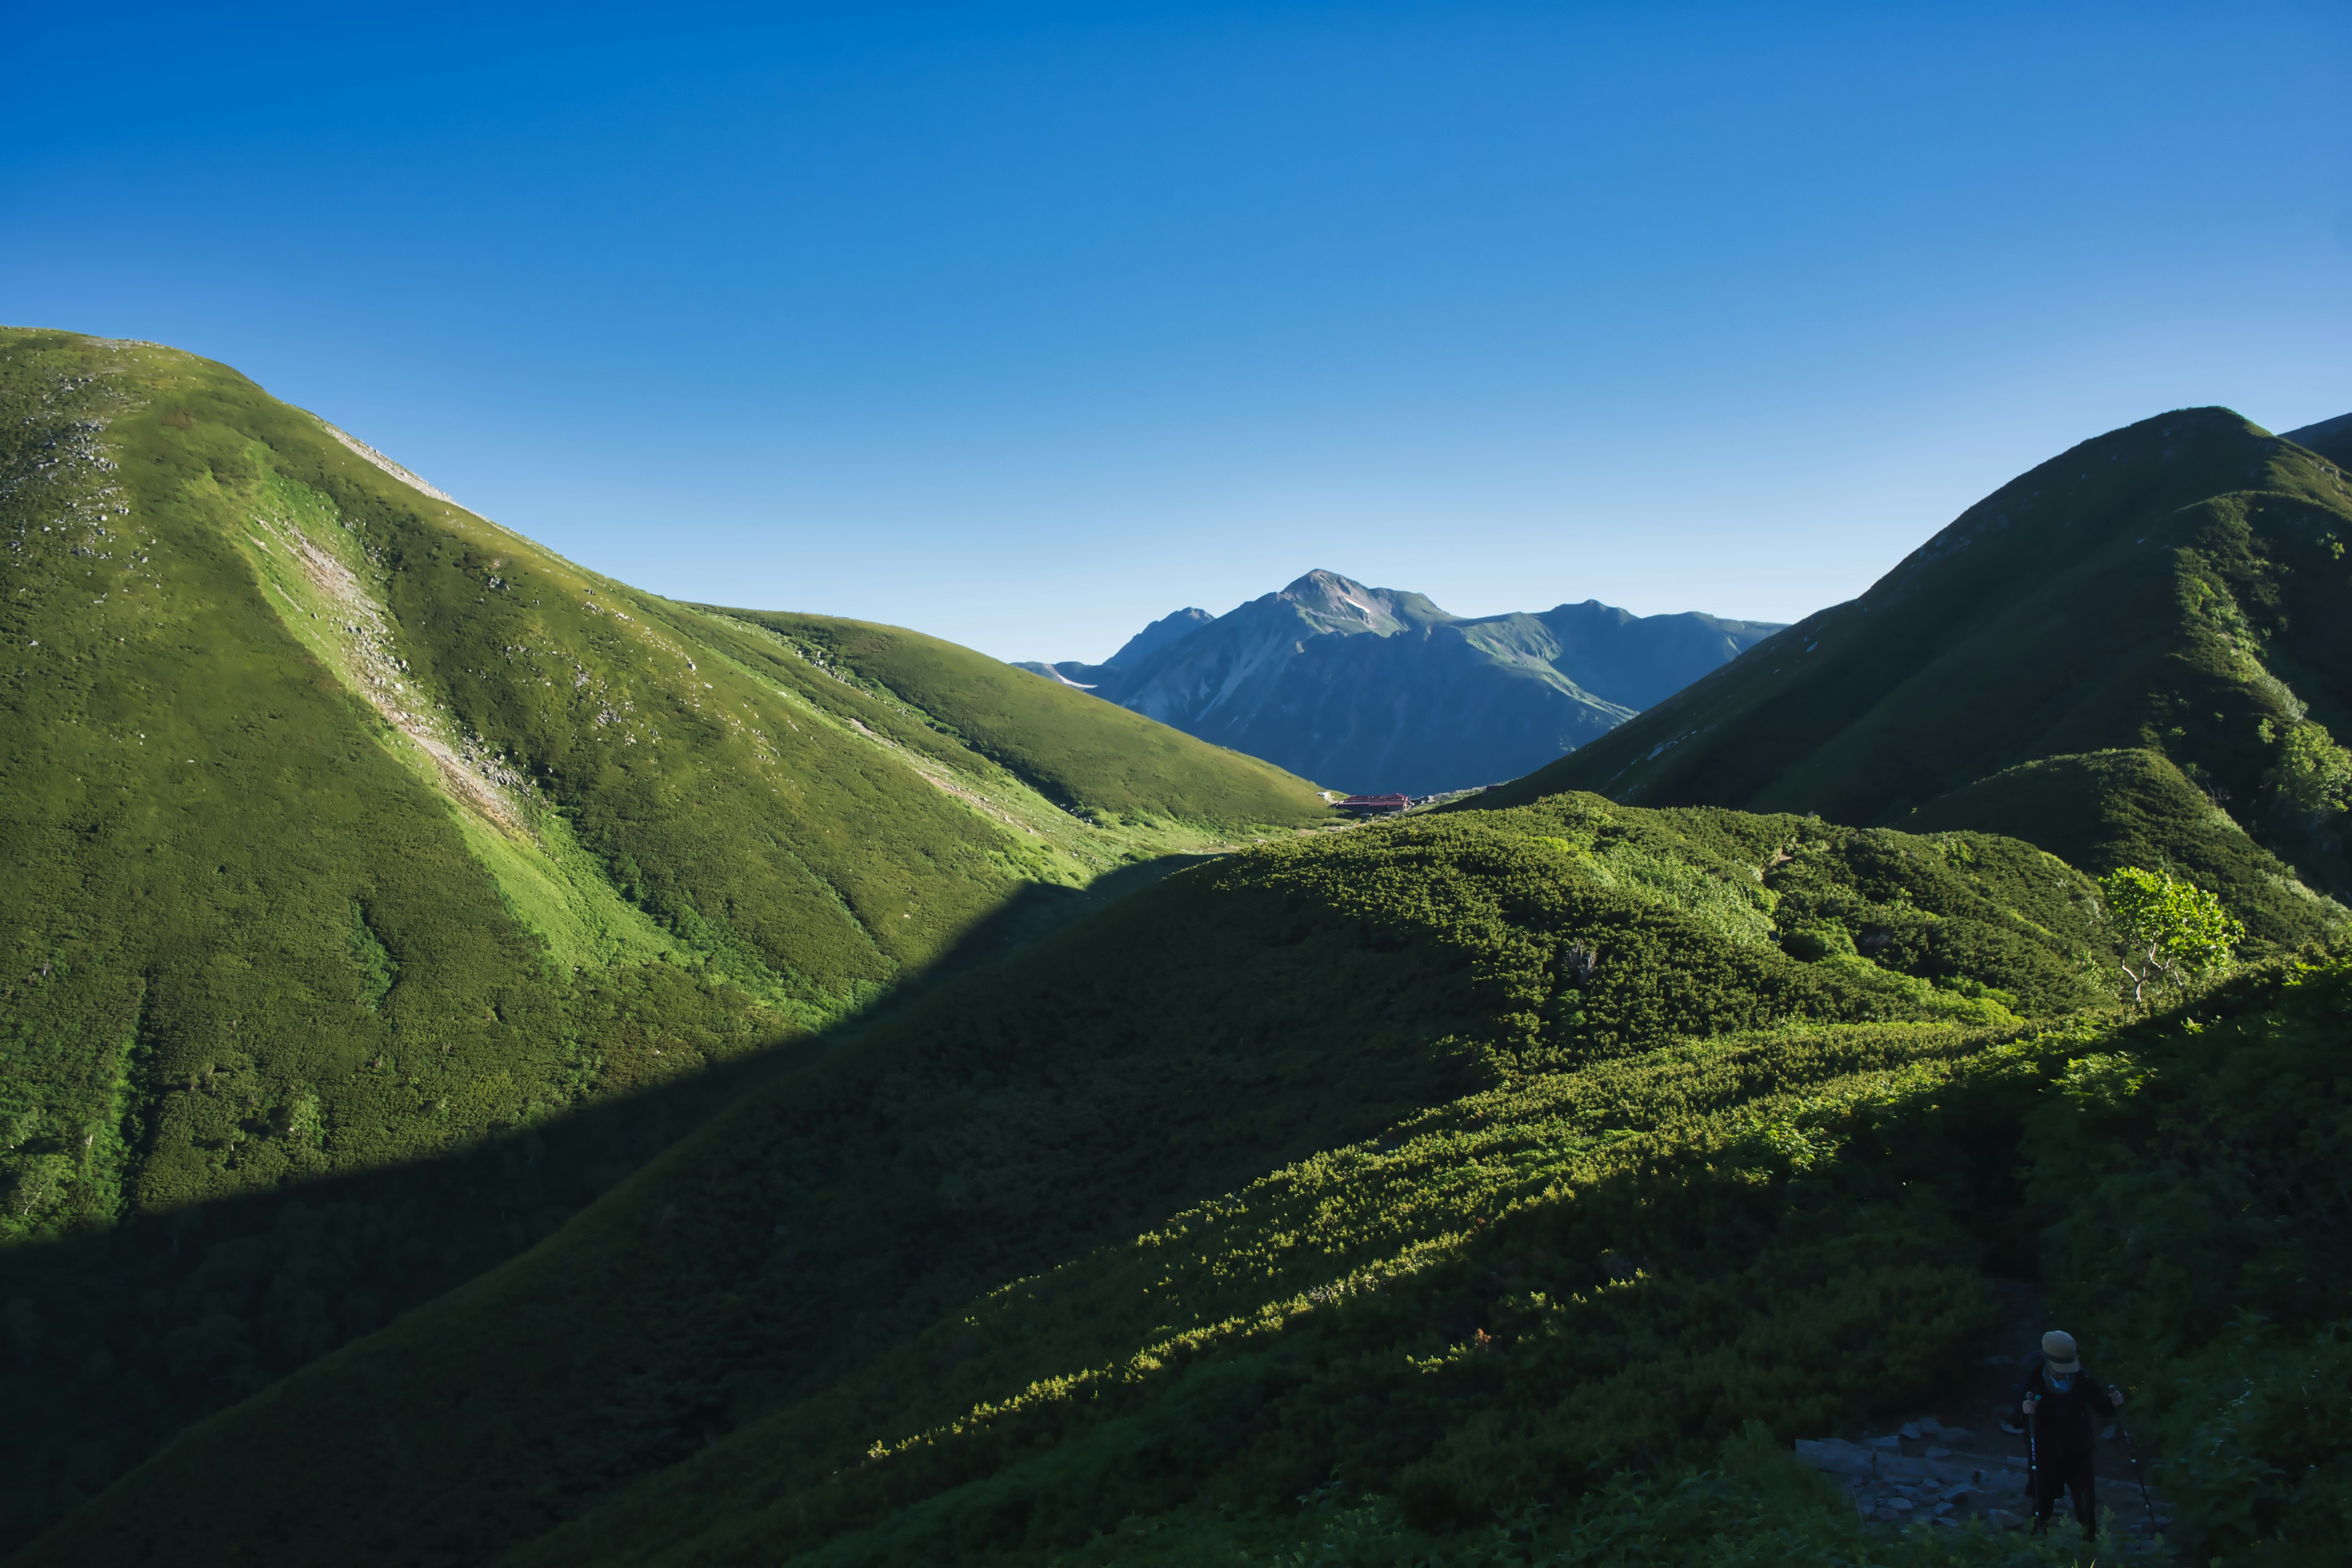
118, 1338
2176, 586
2331, 438
1287, 1000
1450, 1317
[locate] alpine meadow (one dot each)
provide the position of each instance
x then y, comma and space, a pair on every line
501, 1066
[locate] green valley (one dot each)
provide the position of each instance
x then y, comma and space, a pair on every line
715, 850
504, 1068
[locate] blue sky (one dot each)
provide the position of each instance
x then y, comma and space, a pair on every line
1024, 325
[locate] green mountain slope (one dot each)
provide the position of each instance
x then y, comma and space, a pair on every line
2331, 438
347, 831
875, 1248
2176, 590
1460, 1327
1112, 768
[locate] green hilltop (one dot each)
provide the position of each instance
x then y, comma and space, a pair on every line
2139, 652
350, 835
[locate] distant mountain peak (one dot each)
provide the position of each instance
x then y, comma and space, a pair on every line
1321, 583
1168, 628
1336, 602
1427, 701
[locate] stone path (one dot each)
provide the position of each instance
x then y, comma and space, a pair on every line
1928, 1472
1973, 1466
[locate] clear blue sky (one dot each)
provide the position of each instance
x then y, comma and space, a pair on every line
1024, 325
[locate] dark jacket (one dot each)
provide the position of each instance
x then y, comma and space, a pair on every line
2068, 1417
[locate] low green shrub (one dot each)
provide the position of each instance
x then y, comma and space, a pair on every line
1753, 1509
2191, 1172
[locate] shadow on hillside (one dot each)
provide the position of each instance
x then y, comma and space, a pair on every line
120, 1338
1039, 910
109, 1343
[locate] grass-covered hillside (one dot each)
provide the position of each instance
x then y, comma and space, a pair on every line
1114, 768
2331, 438
1264, 1174
2139, 652
352, 840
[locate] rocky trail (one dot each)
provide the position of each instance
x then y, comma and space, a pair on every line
1967, 1461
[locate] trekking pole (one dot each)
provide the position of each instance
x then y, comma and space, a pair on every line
2133, 1454
2033, 1464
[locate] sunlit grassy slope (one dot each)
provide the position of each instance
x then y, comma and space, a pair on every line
1084, 1167
2141, 651
1114, 769
320, 788
344, 829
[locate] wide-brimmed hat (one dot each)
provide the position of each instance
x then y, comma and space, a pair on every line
2058, 1350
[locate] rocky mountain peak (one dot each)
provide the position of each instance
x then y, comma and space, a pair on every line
1338, 604
1428, 701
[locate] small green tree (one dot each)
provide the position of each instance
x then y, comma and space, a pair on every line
2172, 929
2314, 774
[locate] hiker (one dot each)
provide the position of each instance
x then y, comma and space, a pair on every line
2059, 1400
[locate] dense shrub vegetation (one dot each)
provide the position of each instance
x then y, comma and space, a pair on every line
2193, 1171
1502, 1304
810, 1258
2131, 806
2139, 653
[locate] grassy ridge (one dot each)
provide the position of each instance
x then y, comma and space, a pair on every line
216, 866
348, 832
2176, 587
1056, 738
1295, 998
2129, 807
